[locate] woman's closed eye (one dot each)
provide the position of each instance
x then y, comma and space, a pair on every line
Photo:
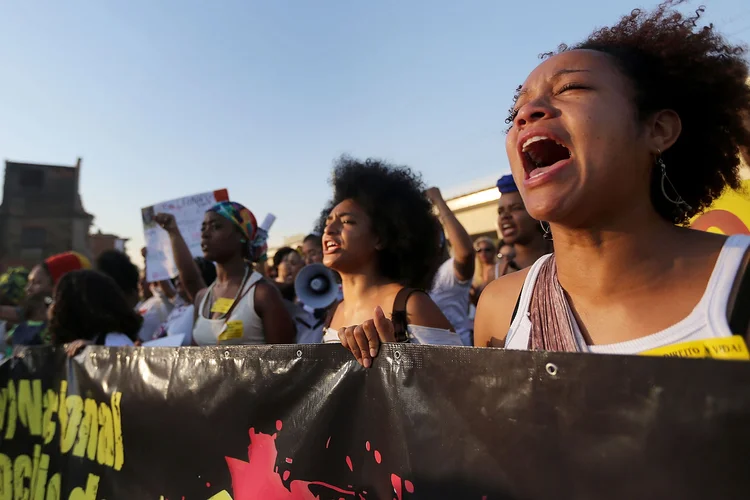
571, 86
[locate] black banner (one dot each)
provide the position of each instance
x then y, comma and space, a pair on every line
301, 422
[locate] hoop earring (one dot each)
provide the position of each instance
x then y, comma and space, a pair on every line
665, 178
547, 232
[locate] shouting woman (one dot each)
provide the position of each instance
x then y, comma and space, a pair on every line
386, 259
616, 143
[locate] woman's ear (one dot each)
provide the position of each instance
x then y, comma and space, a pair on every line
665, 128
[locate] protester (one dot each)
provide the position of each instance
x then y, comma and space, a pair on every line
312, 249
12, 293
452, 282
289, 267
486, 267
617, 142
118, 266
42, 279
89, 308
33, 327
240, 307
506, 253
384, 258
515, 227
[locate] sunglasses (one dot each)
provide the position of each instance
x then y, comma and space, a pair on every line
485, 250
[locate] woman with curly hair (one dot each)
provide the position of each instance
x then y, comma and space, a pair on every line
240, 306
616, 143
380, 235
89, 308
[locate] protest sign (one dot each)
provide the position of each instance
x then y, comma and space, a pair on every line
300, 422
188, 213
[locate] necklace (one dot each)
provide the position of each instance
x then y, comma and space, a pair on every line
211, 299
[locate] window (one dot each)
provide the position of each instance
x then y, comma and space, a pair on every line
32, 178
33, 237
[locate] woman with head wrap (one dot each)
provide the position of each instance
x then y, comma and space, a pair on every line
240, 307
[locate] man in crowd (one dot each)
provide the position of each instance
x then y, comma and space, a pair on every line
516, 228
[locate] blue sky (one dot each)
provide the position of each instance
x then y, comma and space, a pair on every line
169, 98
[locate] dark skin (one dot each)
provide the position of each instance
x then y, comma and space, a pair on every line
222, 243
627, 272
516, 227
350, 247
39, 281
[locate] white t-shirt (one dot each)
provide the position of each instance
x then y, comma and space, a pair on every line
452, 297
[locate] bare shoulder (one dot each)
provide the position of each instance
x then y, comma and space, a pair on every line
266, 292
495, 309
422, 311
199, 297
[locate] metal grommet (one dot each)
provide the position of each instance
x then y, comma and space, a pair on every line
397, 355
551, 369
299, 353
226, 354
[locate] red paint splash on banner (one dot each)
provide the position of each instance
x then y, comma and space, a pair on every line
255, 478
259, 477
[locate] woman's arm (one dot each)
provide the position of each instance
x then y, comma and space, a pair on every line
278, 326
495, 309
421, 310
190, 274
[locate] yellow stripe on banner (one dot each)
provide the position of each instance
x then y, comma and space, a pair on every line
722, 348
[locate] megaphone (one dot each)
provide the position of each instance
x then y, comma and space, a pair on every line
316, 286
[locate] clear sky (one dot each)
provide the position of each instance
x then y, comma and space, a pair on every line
168, 98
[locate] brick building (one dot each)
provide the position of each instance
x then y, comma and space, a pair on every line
101, 242
41, 213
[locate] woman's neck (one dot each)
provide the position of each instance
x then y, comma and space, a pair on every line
232, 270
627, 256
362, 286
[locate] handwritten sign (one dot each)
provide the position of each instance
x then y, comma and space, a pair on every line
188, 213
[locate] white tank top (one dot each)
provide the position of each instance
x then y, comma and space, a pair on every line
207, 331
707, 320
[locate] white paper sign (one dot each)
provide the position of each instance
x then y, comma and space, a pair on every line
188, 213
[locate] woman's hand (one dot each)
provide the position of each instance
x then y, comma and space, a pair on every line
167, 222
365, 339
76, 346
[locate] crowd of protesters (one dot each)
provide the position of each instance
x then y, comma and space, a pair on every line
614, 144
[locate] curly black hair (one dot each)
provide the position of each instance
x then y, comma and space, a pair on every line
89, 304
281, 254
120, 268
402, 218
674, 64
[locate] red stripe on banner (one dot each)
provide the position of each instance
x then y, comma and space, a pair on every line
221, 195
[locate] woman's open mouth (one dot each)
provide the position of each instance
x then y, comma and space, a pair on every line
542, 154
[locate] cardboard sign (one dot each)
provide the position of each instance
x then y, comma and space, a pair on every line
188, 213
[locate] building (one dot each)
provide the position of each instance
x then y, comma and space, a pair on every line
41, 213
100, 242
